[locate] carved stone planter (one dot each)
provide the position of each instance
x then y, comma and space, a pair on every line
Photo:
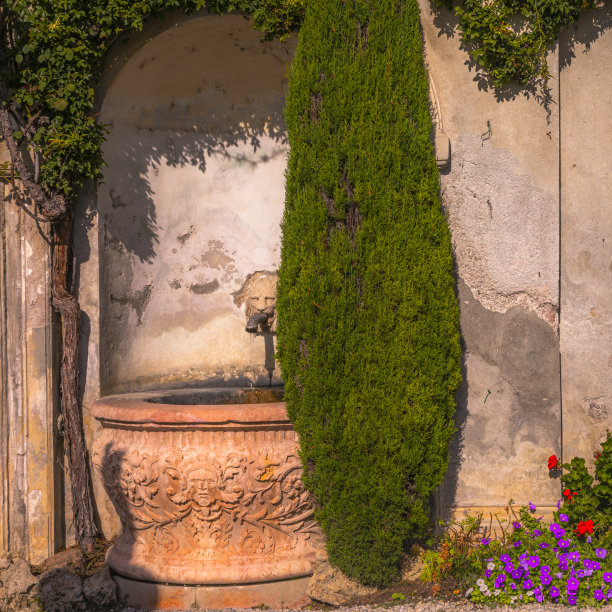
207, 485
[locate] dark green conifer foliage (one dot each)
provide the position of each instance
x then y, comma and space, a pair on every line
368, 321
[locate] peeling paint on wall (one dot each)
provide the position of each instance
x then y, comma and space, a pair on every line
191, 204
501, 222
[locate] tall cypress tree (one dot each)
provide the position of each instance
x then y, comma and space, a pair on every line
368, 321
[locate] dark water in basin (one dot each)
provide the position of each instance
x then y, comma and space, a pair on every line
197, 397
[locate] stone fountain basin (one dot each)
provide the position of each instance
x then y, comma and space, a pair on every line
207, 484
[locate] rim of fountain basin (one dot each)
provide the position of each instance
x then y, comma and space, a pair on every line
163, 409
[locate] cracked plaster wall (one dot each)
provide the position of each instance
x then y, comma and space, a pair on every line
500, 193
586, 233
191, 204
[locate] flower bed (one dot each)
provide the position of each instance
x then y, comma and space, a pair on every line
567, 561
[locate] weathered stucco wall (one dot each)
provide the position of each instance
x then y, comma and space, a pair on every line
191, 204
586, 233
500, 192
31, 504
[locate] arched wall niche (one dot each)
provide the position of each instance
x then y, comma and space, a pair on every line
191, 204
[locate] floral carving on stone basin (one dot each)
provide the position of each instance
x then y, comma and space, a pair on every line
207, 494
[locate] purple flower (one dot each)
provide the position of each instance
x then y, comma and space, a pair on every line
543, 544
505, 558
516, 525
545, 579
558, 575
536, 533
485, 541
488, 573
554, 592
595, 565
559, 504
534, 561
574, 556
513, 586
517, 544
563, 518
538, 594
589, 539
572, 585
554, 526
564, 543
523, 556
588, 564
527, 584
517, 574
532, 507
607, 577
571, 600
580, 574
545, 569
509, 567
598, 594
563, 565
601, 553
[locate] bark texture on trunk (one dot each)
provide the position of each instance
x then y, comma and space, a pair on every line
74, 438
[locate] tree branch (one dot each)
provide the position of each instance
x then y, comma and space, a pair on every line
52, 207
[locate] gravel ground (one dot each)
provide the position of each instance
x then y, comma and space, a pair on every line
424, 606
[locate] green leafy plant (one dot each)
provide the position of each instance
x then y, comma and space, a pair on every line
510, 39
368, 336
459, 554
587, 499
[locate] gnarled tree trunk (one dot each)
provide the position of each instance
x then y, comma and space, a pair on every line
68, 307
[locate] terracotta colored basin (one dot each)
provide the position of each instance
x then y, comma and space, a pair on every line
207, 485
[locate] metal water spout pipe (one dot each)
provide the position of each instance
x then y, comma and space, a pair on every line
255, 320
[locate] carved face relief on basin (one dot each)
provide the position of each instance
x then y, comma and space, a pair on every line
201, 486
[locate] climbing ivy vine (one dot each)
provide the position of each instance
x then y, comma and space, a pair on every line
510, 39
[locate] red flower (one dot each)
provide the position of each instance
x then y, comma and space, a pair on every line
567, 493
584, 526
553, 462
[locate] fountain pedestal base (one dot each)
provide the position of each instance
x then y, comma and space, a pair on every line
276, 595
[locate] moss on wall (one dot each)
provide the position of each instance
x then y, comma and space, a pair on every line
368, 320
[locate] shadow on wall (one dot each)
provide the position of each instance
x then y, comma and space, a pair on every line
131, 221
191, 201
205, 86
578, 38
